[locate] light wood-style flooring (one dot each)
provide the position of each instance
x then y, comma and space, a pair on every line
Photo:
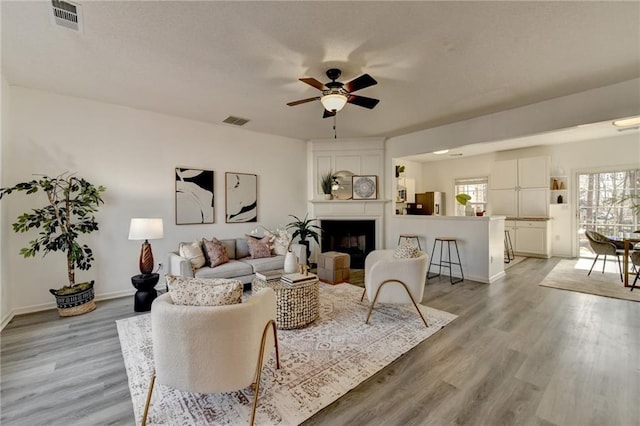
518, 354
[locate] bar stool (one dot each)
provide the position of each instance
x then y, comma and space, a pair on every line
410, 237
508, 247
445, 263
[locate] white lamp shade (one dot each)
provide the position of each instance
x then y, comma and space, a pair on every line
333, 102
146, 229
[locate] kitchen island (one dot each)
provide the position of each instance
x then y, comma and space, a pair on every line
480, 240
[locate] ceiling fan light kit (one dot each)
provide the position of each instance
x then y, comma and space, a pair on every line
335, 94
333, 102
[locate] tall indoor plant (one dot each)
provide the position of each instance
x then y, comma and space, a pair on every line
304, 229
69, 212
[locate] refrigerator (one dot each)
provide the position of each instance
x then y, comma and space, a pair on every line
427, 203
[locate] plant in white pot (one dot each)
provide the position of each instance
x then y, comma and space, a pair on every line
326, 183
303, 228
69, 212
463, 199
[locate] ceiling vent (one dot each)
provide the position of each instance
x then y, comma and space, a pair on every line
66, 14
236, 121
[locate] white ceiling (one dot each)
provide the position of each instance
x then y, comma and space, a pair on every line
435, 62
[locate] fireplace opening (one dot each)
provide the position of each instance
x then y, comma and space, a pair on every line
354, 237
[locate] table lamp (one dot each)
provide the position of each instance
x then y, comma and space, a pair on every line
146, 229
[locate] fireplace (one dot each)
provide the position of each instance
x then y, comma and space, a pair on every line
355, 237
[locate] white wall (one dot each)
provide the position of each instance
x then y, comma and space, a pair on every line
5, 296
133, 153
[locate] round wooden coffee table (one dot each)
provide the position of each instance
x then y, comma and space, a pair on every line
297, 305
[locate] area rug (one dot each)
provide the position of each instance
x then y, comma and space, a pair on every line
571, 274
319, 363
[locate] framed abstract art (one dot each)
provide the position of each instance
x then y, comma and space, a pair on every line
241, 197
194, 196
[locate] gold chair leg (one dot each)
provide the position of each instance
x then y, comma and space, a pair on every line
415, 305
146, 405
256, 385
363, 293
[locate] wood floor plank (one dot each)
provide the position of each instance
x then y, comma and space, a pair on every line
518, 354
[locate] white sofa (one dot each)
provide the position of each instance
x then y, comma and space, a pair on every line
240, 265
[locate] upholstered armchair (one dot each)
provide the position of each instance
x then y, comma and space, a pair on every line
210, 349
391, 280
602, 245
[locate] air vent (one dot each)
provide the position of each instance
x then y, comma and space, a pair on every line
66, 14
237, 121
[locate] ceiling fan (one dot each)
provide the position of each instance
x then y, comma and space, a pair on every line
336, 94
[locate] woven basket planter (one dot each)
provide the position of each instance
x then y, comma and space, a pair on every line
77, 303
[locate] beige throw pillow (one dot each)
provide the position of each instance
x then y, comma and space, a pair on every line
204, 292
193, 252
215, 251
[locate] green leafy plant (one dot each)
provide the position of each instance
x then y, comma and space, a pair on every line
399, 169
304, 228
326, 181
463, 198
71, 204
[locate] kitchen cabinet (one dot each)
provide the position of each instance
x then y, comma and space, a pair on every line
530, 238
520, 187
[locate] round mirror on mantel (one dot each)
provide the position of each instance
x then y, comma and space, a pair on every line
345, 182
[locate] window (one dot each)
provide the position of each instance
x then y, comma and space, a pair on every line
606, 203
477, 189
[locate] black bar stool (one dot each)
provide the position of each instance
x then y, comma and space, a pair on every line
508, 247
445, 263
410, 237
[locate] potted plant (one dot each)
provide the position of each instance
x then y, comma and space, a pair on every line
69, 212
463, 199
326, 183
399, 169
304, 229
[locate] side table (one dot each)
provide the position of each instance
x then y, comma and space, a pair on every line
145, 284
297, 305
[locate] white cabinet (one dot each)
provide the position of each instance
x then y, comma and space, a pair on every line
529, 238
520, 188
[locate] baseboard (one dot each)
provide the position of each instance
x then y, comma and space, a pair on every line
52, 305
6, 320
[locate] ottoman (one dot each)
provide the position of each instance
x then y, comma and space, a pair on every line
333, 267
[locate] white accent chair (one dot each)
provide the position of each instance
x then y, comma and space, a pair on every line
391, 280
210, 349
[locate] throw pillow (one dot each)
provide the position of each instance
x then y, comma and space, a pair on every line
406, 251
204, 292
215, 251
193, 252
259, 248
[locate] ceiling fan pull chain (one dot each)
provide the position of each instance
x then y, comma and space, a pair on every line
335, 134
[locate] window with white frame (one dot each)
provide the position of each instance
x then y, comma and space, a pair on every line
477, 188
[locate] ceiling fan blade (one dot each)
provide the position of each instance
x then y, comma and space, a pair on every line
328, 114
365, 80
303, 101
363, 101
313, 82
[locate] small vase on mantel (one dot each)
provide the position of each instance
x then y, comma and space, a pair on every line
328, 196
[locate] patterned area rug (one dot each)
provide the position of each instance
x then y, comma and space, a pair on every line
571, 274
319, 363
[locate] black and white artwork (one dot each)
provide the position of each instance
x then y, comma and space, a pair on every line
241, 197
194, 196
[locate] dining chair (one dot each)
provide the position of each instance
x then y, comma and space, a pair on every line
602, 245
